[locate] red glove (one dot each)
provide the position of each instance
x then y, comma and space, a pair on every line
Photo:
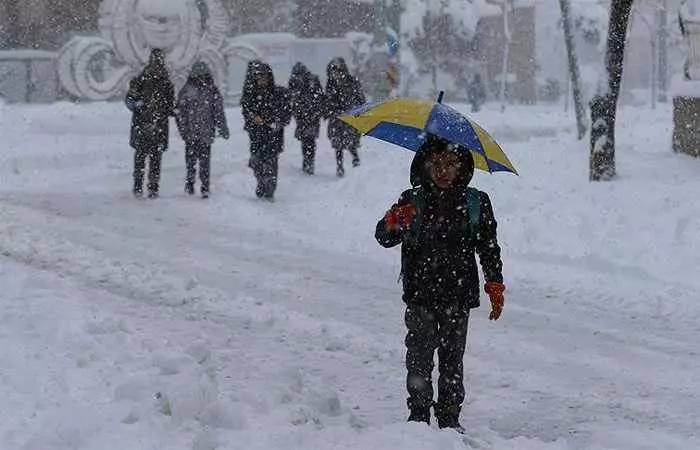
495, 291
400, 217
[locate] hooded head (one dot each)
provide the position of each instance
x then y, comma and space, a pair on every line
156, 65
299, 70
259, 75
299, 76
201, 73
157, 58
337, 69
441, 165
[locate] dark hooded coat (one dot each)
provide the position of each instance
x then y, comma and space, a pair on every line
271, 103
438, 255
343, 93
200, 108
151, 98
307, 102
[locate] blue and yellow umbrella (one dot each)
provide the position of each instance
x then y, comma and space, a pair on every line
407, 122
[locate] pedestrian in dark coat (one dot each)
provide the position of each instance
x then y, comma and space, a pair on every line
150, 98
476, 92
343, 93
200, 114
441, 223
266, 111
307, 100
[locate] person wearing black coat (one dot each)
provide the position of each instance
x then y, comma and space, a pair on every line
150, 98
343, 93
307, 100
441, 223
200, 114
266, 111
476, 92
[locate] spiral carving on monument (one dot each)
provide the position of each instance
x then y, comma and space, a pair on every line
98, 68
689, 20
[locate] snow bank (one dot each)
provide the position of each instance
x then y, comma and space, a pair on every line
235, 324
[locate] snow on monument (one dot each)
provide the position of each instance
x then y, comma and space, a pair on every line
686, 86
99, 67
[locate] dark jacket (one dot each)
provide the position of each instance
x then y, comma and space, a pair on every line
151, 98
438, 253
476, 92
270, 103
307, 102
200, 108
343, 93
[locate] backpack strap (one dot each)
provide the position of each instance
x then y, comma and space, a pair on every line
418, 200
473, 210
473, 201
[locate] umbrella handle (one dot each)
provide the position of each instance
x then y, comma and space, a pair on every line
440, 95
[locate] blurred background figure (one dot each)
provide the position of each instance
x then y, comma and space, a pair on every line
150, 98
343, 93
307, 102
266, 111
200, 114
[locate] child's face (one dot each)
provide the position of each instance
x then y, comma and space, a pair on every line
443, 168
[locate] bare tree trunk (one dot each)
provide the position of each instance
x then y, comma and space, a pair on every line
604, 107
574, 73
654, 71
13, 26
663, 51
506, 55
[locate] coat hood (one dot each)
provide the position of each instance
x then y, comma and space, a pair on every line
156, 67
434, 144
299, 77
200, 72
257, 69
299, 70
338, 64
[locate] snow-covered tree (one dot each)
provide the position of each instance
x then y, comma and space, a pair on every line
604, 106
439, 34
574, 71
590, 21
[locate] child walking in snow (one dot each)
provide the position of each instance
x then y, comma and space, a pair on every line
441, 223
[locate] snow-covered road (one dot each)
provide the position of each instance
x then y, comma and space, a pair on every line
279, 326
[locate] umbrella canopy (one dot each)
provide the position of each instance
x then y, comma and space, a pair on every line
408, 121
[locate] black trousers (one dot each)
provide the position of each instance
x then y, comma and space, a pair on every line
198, 153
442, 328
154, 157
308, 150
339, 153
265, 170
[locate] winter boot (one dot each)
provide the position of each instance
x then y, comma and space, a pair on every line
189, 188
448, 417
340, 172
419, 415
152, 195
355, 161
451, 422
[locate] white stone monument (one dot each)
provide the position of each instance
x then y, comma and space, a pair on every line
99, 67
686, 86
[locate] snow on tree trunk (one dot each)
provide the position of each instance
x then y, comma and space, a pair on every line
574, 72
663, 51
603, 107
